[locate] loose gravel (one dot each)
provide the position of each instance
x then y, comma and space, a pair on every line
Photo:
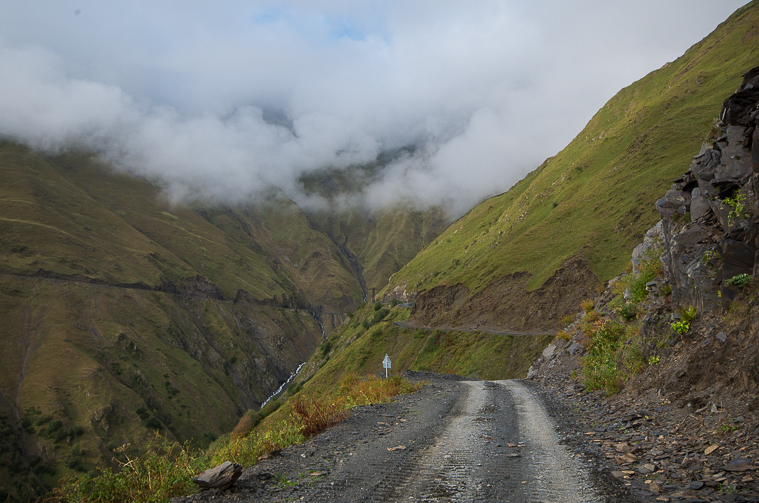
454, 440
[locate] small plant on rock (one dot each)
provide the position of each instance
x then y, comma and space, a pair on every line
681, 327
739, 211
653, 360
686, 316
740, 280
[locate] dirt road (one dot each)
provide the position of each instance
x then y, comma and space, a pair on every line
452, 441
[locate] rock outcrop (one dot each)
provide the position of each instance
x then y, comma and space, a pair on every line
710, 217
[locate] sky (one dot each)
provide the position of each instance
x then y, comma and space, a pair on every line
221, 100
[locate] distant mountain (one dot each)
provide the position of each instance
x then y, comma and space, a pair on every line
525, 258
124, 314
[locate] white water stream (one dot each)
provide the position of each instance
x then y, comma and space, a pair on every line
282, 387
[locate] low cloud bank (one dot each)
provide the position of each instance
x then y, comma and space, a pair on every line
220, 102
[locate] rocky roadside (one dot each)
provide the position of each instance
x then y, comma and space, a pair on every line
662, 450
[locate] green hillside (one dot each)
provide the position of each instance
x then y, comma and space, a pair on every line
592, 202
379, 242
124, 314
360, 345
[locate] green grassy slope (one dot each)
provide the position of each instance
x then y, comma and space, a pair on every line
86, 368
123, 313
378, 242
594, 199
118, 218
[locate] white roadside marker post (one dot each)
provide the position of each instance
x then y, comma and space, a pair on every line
386, 363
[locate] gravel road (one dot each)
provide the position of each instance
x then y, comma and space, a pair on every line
454, 440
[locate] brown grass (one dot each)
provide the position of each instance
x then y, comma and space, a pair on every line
316, 415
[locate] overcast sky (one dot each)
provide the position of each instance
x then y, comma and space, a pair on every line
219, 99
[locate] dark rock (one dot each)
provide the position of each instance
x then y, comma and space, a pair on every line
737, 258
575, 349
699, 207
200, 286
739, 465
219, 477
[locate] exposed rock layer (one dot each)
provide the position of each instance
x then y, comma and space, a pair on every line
709, 216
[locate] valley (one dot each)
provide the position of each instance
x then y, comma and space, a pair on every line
126, 315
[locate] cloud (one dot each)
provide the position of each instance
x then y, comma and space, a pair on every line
222, 100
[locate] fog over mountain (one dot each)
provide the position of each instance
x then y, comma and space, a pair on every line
220, 100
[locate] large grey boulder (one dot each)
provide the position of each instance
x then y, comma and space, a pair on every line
219, 477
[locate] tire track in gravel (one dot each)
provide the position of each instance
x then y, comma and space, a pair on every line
555, 473
466, 463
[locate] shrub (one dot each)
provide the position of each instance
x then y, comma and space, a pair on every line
740, 280
245, 425
587, 305
316, 415
600, 364
628, 311
270, 407
326, 347
377, 305
154, 424
739, 211
689, 314
379, 316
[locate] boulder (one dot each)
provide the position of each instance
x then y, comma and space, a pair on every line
699, 207
549, 351
219, 477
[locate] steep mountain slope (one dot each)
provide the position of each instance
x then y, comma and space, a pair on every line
377, 242
525, 258
123, 313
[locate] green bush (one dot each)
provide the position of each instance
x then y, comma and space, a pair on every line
600, 365
740, 280
154, 424
628, 311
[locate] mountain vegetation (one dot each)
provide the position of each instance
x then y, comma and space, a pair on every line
526, 258
125, 314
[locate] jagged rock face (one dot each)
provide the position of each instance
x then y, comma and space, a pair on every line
709, 217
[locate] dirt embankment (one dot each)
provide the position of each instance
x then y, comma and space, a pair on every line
507, 304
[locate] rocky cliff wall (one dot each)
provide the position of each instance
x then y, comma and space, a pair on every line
710, 217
